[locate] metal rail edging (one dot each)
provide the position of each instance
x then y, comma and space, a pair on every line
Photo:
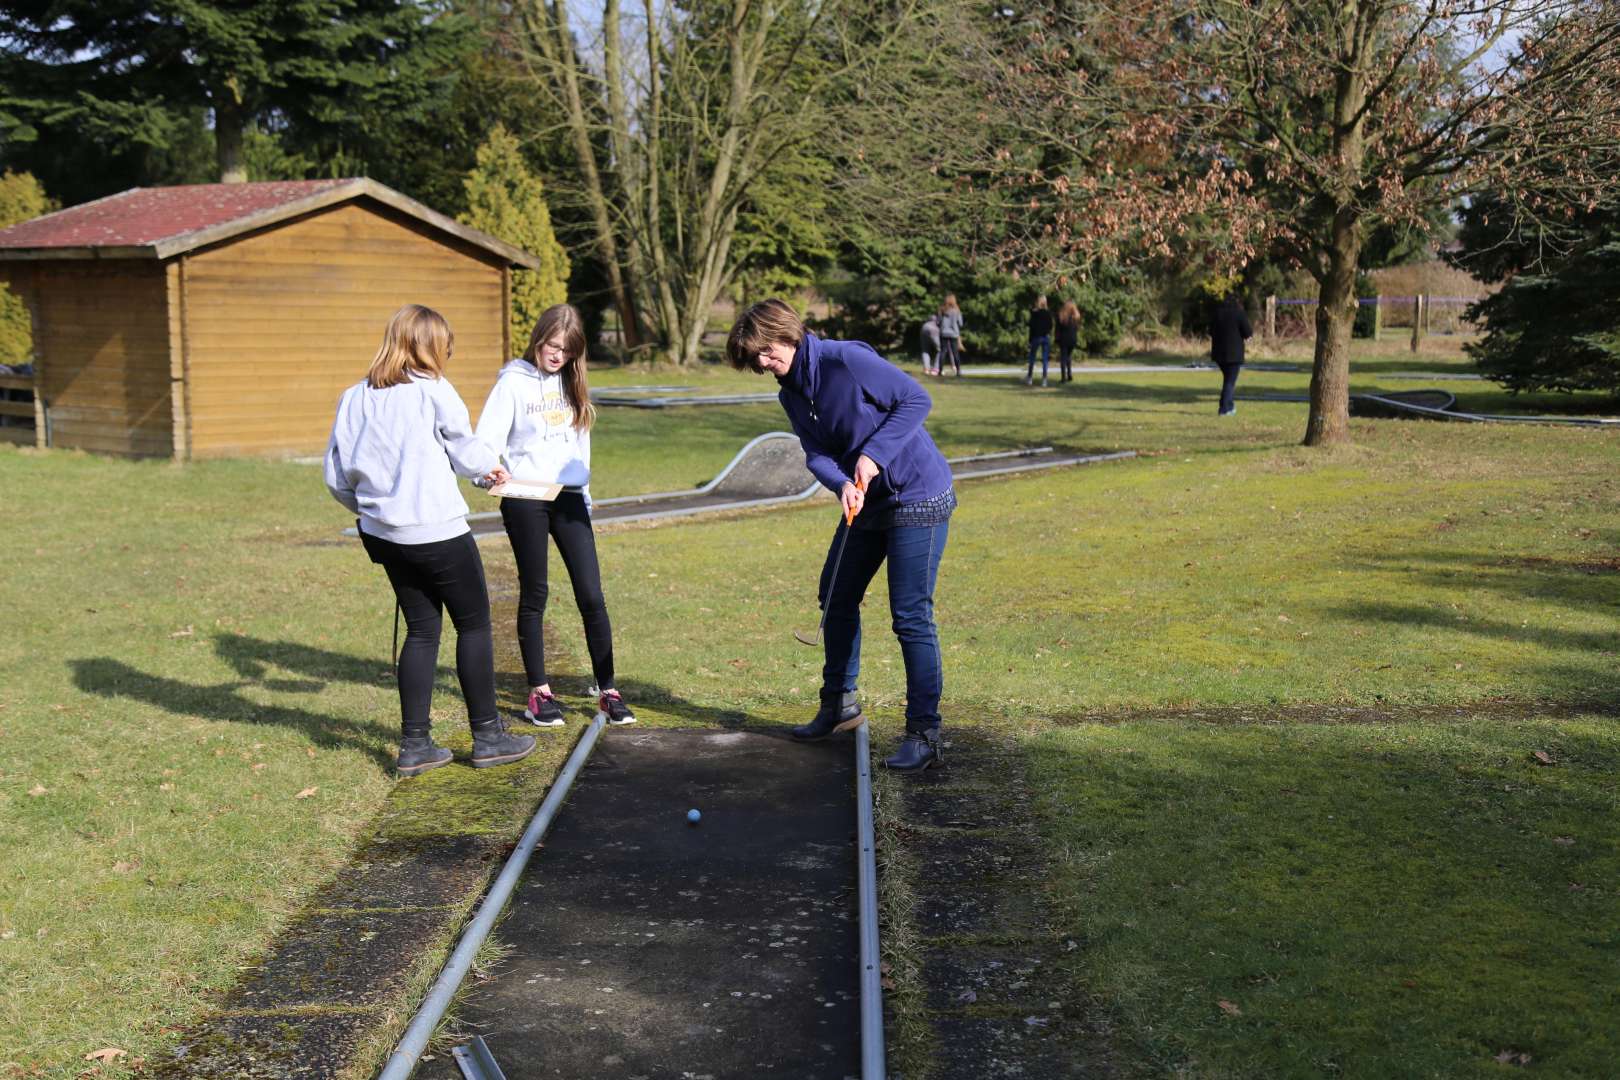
403, 1060
872, 1053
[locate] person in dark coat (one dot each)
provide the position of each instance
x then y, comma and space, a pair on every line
1228, 329
1040, 337
860, 421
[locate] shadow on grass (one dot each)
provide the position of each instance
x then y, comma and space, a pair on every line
1577, 583
1413, 615
226, 702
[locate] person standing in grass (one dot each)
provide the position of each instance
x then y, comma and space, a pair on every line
1068, 336
950, 335
1040, 337
860, 421
400, 439
1228, 329
538, 418
930, 345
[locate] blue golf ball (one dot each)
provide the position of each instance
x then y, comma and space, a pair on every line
693, 816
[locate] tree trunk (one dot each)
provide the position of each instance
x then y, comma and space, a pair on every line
548, 29
1329, 420
229, 122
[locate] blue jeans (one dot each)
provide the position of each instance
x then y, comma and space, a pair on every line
1044, 344
1229, 378
913, 553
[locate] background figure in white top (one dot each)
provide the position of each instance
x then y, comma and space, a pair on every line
538, 417
400, 438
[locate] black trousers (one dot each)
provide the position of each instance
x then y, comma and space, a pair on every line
949, 349
1229, 377
530, 524
1065, 355
427, 578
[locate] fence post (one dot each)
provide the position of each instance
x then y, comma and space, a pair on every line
1271, 316
1378, 316
1418, 306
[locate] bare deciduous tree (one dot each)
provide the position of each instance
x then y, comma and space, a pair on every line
676, 114
1302, 124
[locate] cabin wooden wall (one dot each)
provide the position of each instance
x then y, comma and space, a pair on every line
101, 347
275, 325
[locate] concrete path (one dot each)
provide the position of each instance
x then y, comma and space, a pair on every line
643, 946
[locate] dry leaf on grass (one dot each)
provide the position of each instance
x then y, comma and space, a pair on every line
1228, 1008
105, 1054
306, 793
37, 790
1543, 757
1513, 1057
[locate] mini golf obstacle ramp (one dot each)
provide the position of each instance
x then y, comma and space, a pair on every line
770, 470
641, 945
1433, 405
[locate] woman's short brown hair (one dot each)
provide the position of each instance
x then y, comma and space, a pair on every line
767, 323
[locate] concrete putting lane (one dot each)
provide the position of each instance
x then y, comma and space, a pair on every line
645, 946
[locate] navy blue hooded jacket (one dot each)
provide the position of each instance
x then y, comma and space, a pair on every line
844, 400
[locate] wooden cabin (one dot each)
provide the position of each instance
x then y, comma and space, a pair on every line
220, 320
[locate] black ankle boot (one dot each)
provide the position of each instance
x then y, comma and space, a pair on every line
919, 750
841, 713
418, 754
493, 745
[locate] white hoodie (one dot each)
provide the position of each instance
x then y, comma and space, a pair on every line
528, 422
394, 456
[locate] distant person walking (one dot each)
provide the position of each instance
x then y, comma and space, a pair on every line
400, 439
930, 345
538, 417
950, 335
860, 421
1040, 337
1068, 336
1228, 329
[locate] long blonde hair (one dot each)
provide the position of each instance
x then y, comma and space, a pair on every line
417, 342
564, 319
949, 304
1070, 315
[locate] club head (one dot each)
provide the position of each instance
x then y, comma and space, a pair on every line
807, 640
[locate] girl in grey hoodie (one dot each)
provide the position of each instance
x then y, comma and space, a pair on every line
400, 439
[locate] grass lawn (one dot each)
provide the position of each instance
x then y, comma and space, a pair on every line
196, 723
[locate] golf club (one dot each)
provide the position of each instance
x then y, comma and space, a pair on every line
838, 560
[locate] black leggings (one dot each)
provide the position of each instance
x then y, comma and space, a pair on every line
949, 349
567, 520
427, 578
1065, 354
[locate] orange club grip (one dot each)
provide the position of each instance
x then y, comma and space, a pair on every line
849, 515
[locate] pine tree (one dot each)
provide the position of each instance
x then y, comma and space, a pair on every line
506, 199
123, 72
21, 198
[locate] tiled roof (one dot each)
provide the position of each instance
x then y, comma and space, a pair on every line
165, 221
142, 217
